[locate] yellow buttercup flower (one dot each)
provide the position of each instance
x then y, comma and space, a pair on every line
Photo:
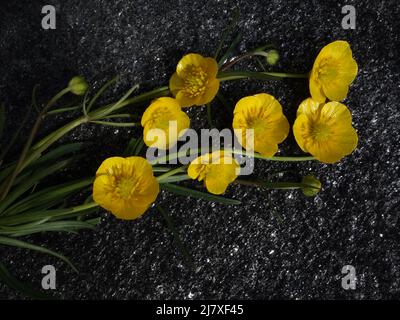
324, 130
195, 80
333, 71
216, 169
125, 186
164, 122
263, 114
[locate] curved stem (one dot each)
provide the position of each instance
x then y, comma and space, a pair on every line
186, 153
271, 185
237, 75
171, 173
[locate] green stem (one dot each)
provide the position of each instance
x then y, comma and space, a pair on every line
6, 186
171, 173
237, 75
209, 116
116, 124
271, 185
96, 115
177, 239
179, 154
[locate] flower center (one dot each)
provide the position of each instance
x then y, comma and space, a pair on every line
126, 187
124, 181
195, 81
320, 132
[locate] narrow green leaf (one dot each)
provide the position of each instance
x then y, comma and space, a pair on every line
209, 116
65, 226
47, 195
14, 138
2, 119
116, 124
177, 178
178, 241
25, 245
227, 31
130, 148
50, 156
54, 214
139, 146
100, 92
31, 181
182, 191
230, 50
62, 110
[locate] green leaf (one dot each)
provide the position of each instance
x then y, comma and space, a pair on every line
54, 214
25, 245
227, 31
139, 146
178, 241
230, 50
45, 226
182, 191
62, 110
47, 195
116, 124
30, 182
8, 279
177, 178
209, 115
5, 150
100, 92
2, 119
50, 156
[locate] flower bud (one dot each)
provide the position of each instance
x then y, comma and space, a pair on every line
272, 57
78, 86
311, 186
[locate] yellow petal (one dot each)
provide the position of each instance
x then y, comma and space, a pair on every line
209, 94
301, 131
221, 175
118, 174
108, 164
191, 59
333, 71
316, 90
210, 66
175, 84
308, 107
184, 100
160, 105
164, 122
263, 114
325, 132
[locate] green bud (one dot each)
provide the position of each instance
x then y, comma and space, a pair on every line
311, 186
78, 86
272, 57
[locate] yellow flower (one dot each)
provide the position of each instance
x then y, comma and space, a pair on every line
125, 186
324, 130
217, 170
263, 114
195, 80
333, 71
164, 122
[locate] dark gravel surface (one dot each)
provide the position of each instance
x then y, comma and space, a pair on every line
277, 244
